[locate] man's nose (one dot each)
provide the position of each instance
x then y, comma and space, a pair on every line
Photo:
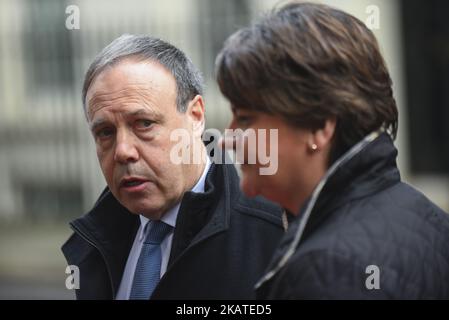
125, 150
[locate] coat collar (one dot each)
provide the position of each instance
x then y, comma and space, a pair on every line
111, 228
371, 169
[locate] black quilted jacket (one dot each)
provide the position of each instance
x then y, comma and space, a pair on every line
369, 236
221, 244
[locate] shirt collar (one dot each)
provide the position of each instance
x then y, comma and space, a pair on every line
171, 216
199, 186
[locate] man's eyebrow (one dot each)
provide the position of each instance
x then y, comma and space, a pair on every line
97, 123
156, 116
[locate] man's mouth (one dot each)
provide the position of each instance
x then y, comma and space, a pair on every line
133, 184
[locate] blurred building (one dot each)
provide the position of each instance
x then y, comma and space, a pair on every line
48, 166
47, 158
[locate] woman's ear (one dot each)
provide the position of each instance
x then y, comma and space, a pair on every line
196, 113
321, 139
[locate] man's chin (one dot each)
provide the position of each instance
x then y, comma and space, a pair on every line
151, 212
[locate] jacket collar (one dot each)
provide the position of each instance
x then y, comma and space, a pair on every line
198, 217
371, 169
111, 228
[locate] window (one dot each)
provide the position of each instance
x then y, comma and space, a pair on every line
48, 48
426, 48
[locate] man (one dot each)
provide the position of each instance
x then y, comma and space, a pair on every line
162, 230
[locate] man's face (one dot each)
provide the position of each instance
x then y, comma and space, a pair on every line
131, 109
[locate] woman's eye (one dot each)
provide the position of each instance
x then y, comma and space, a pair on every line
243, 120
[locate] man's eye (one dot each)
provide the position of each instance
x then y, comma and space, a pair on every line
105, 133
144, 124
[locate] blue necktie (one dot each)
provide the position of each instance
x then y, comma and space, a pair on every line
148, 268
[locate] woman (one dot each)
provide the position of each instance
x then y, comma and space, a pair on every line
355, 230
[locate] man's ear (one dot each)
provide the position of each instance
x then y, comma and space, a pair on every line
196, 113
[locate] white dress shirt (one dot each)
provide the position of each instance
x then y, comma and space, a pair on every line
170, 219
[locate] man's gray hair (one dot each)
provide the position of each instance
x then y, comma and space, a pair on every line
189, 81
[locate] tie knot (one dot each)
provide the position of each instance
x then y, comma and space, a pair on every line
157, 232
